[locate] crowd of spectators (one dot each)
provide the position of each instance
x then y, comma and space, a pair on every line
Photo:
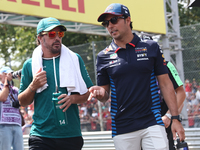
27, 113
192, 90
90, 116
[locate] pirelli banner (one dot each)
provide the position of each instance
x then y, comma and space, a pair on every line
146, 15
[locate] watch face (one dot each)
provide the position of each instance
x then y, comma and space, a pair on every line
180, 118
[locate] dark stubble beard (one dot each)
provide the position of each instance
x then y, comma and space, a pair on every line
53, 50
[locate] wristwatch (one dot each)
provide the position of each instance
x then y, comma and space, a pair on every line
168, 115
177, 117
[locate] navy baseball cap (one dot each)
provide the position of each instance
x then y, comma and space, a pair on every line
114, 9
48, 24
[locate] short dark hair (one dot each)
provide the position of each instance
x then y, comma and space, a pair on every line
131, 26
37, 40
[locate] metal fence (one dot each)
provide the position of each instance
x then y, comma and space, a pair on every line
94, 116
89, 112
191, 63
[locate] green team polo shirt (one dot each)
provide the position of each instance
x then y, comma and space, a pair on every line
44, 123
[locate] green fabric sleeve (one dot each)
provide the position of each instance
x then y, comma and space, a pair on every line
174, 73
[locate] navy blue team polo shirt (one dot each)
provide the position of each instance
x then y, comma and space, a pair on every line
131, 73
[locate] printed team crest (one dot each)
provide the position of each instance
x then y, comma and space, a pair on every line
113, 56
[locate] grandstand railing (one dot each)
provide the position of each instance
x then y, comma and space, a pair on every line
102, 140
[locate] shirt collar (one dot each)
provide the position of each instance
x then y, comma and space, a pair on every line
133, 43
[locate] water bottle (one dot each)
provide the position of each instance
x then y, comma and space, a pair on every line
61, 117
181, 145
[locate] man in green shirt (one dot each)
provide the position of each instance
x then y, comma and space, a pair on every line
54, 68
180, 97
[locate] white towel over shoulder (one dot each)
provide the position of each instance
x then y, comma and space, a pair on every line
70, 74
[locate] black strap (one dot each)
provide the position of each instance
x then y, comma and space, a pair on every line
12, 97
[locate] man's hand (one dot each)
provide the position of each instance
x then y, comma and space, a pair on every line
39, 80
98, 92
166, 121
177, 128
8, 77
66, 101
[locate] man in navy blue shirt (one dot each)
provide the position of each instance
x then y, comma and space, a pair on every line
128, 68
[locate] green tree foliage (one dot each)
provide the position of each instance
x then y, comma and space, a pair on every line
190, 34
25, 43
7, 42
71, 39
188, 15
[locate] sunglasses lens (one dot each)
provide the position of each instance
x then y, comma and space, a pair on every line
105, 23
61, 34
52, 34
114, 20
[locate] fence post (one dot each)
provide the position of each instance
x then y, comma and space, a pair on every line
99, 103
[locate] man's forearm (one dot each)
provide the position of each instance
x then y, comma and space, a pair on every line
180, 96
26, 97
171, 102
4, 94
79, 99
167, 90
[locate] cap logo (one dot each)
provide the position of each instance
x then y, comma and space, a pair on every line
40, 29
115, 9
125, 8
109, 8
52, 20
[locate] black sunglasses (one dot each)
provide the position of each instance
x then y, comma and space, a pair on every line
113, 20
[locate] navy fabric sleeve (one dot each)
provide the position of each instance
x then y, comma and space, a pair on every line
102, 76
160, 63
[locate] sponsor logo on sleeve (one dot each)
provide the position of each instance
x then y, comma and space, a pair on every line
164, 62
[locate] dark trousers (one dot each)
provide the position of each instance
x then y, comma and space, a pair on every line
164, 109
170, 138
42, 143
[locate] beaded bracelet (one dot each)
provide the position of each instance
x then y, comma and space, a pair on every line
30, 89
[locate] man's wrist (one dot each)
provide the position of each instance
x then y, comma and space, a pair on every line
178, 117
31, 89
168, 115
6, 85
106, 95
